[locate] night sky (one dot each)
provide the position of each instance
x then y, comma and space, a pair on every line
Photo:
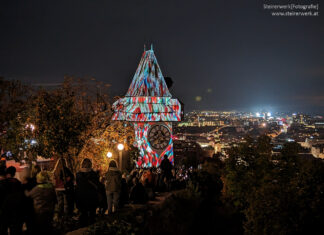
231, 53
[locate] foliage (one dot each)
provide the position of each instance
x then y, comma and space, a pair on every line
206, 182
13, 100
106, 139
73, 119
176, 215
276, 194
246, 168
190, 160
61, 118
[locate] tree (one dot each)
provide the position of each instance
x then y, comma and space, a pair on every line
105, 139
247, 167
275, 194
14, 98
96, 134
71, 120
64, 118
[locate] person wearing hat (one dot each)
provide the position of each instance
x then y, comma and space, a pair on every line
44, 200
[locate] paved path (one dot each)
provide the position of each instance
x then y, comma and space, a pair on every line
159, 199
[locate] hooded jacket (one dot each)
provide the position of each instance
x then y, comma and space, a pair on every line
113, 180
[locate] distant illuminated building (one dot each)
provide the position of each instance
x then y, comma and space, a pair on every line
218, 147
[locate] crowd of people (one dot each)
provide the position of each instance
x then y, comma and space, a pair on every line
29, 205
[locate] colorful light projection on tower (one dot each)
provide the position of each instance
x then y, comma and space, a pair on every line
148, 104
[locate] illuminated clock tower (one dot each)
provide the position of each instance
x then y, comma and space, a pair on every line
149, 105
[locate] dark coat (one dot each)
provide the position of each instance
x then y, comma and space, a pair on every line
138, 194
3, 192
166, 168
124, 194
13, 206
87, 187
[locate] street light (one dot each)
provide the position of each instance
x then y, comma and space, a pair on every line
109, 155
120, 147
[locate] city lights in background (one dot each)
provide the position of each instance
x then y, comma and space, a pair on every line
264, 114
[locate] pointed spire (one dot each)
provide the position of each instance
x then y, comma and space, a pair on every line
148, 79
151, 46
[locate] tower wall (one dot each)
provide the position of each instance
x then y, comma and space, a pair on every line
148, 156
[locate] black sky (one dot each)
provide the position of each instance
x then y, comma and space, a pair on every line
246, 58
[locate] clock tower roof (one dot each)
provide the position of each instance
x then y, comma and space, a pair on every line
148, 79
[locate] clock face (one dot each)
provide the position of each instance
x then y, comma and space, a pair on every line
159, 137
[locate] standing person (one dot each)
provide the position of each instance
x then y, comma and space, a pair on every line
13, 207
44, 200
149, 189
113, 186
69, 190
3, 195
124, 194
102, 197
132, 175
28, 184
166, 168
34, 171
87, 186
138, 194
64, 187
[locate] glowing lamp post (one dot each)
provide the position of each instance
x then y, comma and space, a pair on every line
109, 155
120, 147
